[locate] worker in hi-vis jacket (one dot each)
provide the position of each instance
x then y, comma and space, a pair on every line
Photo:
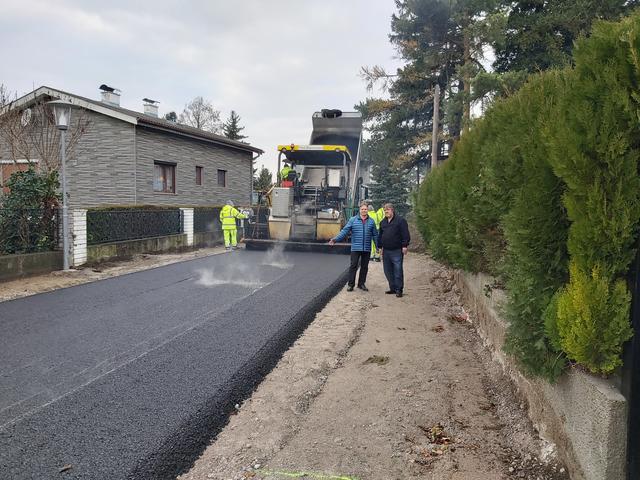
228, 216
377, 217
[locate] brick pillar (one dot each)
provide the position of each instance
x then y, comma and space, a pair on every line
187, 224
78, 223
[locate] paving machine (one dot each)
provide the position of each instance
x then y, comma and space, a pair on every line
309, 207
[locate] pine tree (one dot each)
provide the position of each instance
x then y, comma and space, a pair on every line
231, 128
263, 181
442, 43
390, 187
540, 35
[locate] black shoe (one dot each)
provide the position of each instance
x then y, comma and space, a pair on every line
398, 294
350, 288
390, 292
363, 287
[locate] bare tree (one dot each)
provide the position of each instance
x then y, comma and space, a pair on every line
6, 96
199, 113
29, 132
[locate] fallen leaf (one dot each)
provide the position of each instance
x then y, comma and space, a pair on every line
378, 359
436, 434
438, 329
487, 406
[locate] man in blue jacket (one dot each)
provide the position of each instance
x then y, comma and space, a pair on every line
363, 230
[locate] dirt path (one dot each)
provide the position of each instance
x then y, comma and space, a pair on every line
383, 388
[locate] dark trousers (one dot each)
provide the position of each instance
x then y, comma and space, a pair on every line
363, 258
392, 263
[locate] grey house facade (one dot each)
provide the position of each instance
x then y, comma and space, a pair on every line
131, 158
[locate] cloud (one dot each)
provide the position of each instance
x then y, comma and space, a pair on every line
275, 62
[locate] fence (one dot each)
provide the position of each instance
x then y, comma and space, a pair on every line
107, 226
206, 219
29, 230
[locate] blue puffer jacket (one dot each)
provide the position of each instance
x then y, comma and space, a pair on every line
361, 233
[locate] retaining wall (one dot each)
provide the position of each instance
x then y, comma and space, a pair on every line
583, 415
126, 249
26, 264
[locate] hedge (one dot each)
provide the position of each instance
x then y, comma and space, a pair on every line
544, 193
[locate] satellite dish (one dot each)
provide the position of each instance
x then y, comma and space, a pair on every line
26, 117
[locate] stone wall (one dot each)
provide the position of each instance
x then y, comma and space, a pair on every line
583, 415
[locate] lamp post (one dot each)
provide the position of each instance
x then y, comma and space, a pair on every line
62, 114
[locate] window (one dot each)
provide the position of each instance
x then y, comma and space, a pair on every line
198, 175
164, 177
222, 178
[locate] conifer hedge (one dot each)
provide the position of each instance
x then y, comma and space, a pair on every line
544, 192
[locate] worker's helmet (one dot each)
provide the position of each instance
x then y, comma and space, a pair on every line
230, 203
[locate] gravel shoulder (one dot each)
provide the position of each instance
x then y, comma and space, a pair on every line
384, 388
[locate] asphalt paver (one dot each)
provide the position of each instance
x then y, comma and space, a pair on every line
131, 377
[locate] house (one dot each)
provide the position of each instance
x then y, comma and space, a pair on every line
125, 157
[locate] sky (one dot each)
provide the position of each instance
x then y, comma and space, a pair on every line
274, 62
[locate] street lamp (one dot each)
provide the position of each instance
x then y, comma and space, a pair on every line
62, 113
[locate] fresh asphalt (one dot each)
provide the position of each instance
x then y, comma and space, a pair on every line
131, 377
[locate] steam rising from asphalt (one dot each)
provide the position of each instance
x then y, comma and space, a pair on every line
244, 271
238, 272
275, 257
234, 276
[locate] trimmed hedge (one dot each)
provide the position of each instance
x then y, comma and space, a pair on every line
546, 179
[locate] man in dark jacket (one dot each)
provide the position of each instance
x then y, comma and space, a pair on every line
363, 232
393, 242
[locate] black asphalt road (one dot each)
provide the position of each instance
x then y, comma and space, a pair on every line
132, 376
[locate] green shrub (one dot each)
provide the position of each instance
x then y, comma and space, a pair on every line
595, 141
551, 174
593, 319
594, 147
27, 212
536, 228
447, 209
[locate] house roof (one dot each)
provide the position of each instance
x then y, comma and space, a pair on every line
135, 118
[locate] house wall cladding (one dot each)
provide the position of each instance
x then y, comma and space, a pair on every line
113, 164
101, 168
154, 146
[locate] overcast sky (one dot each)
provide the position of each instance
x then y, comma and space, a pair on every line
273, 61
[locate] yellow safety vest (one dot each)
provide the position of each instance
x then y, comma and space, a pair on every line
228, 216
284, 173
377, 216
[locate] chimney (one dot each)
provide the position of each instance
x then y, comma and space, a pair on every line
110, 95
150, 107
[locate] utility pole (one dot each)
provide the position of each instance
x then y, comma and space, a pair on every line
436, 123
